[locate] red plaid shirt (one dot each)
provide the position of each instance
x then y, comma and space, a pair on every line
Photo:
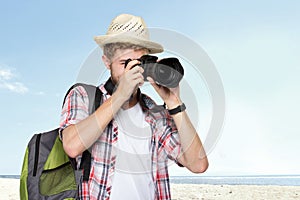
165, 145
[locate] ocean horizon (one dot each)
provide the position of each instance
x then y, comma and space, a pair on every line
281, 180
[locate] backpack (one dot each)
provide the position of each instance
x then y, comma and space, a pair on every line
47, 172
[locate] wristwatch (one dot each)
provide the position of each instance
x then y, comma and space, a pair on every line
178, 109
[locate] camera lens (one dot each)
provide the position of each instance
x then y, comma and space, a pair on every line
169, 72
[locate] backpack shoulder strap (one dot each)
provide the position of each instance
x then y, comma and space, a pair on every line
95, 97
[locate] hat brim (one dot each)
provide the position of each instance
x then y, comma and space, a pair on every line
124, 38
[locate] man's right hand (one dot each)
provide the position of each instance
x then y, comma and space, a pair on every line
130, 80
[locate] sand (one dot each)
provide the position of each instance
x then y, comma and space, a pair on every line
234, 192
9, 190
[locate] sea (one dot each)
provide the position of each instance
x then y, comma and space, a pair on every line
281, 180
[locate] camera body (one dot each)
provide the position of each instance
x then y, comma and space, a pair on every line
167, 72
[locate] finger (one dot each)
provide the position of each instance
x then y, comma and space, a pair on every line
132, 64
150, 79
137, 69
152, 82
138, 77
140, 81
137, 82
141, 70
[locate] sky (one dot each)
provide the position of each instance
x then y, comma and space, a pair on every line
254, 46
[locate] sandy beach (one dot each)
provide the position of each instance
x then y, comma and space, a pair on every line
9, 190
234, 192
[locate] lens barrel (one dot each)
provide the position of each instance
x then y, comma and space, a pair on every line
167, 72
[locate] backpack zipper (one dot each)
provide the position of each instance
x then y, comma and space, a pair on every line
36, 154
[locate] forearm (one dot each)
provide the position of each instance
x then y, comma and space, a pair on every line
79, 137
194, 156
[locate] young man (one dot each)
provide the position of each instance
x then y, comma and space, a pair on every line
130, 141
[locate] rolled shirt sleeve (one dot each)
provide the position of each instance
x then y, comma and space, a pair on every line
74, 109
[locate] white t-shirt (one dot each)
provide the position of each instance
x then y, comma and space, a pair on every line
132, 178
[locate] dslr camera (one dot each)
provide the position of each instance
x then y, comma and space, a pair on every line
167, 72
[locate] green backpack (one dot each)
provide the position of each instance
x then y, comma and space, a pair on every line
48, 173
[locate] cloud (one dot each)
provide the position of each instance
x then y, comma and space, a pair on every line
8, 82
5, 74
40, 93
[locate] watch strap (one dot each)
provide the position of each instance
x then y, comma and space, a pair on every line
178, 109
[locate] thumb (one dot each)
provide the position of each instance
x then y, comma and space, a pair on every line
152, 82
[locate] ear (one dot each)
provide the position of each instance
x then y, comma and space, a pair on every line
106, 62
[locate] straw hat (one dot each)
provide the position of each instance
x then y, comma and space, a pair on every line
127, 28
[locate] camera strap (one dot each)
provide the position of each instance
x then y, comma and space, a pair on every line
110, 86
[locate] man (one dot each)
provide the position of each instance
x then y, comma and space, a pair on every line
130, 141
